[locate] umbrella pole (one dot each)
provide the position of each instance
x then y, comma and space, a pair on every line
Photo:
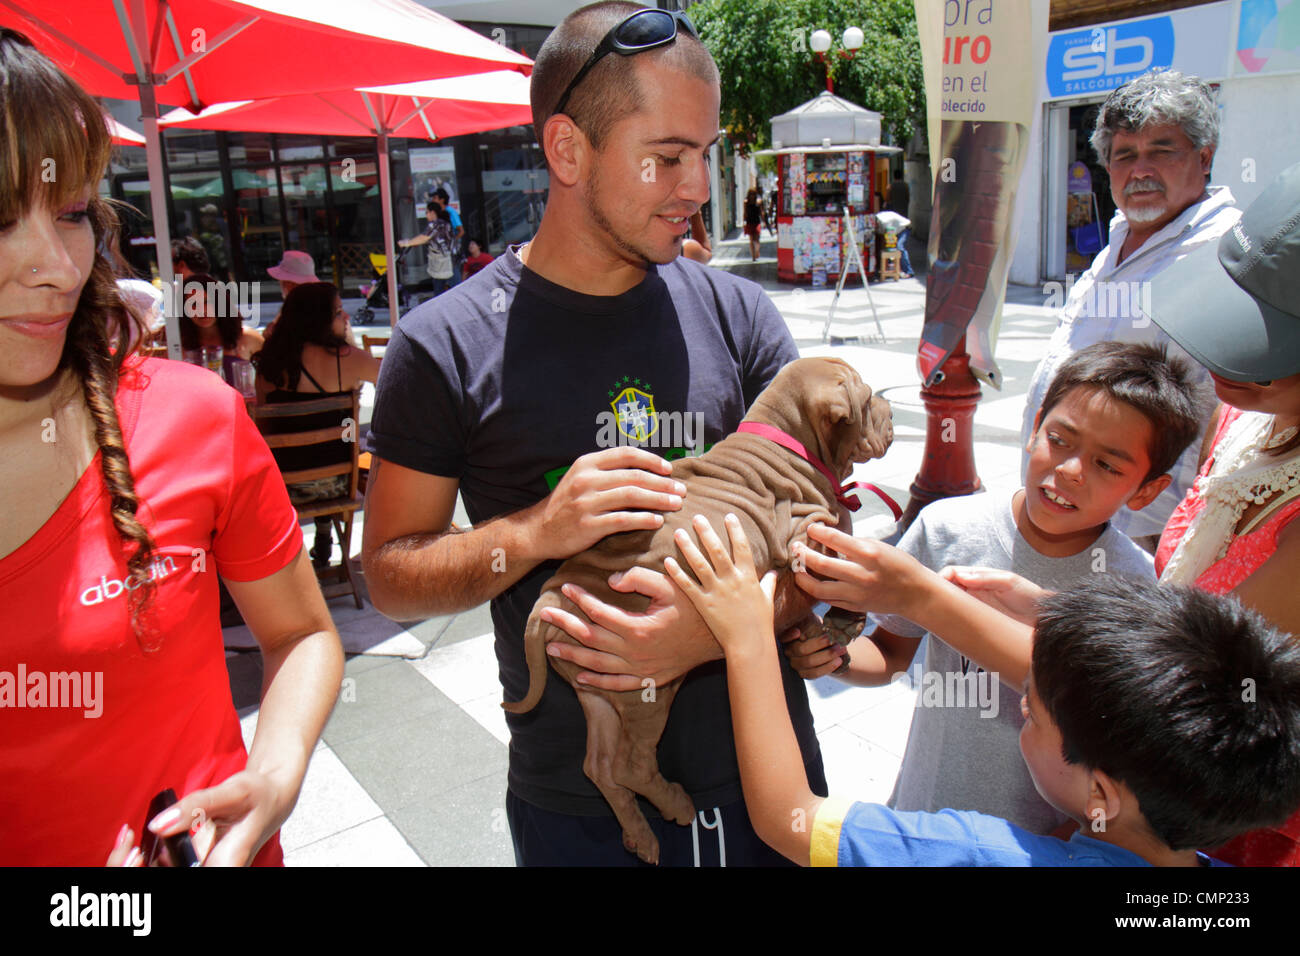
390, 246
161, 229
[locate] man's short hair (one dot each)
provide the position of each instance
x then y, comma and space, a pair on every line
1158, 98
442, 194
191, 252
609, 91
1188, 698
1146, 377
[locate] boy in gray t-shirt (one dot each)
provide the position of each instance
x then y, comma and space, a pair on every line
1113, 421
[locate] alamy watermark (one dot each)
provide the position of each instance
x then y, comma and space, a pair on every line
975, 689
128, 910
79, 690
191, 298
635, 422
1103, 299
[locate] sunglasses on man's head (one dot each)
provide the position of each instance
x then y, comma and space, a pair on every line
643, 30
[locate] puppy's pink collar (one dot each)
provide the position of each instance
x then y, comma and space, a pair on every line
842, 492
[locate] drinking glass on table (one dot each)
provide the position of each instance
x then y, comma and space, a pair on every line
244, 377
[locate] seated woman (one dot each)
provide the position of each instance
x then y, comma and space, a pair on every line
210, 319
307, 356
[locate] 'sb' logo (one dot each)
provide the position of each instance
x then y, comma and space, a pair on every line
635, 413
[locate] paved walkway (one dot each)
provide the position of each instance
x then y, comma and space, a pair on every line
411, 770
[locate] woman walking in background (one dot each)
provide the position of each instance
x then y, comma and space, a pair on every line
753, 221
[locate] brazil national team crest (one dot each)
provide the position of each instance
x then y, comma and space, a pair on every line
634, 409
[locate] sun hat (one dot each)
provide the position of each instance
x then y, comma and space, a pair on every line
294, 266
1234, 305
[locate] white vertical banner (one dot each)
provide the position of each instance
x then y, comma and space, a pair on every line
989, 66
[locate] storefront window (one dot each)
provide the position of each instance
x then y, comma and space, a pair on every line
199, 202
299, 147
258, 225
357, 212
515, 184
306, 224
250, 149
187, 148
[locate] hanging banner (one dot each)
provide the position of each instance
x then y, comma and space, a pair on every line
985, 98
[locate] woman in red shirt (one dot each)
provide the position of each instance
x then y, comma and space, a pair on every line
113, 683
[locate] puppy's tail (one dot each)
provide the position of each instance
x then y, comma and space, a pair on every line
535, 655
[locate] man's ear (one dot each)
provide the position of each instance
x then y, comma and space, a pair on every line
567, 148
1149, 492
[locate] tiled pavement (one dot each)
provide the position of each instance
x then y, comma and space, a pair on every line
411, 769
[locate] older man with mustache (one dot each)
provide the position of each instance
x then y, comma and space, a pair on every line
1156, 136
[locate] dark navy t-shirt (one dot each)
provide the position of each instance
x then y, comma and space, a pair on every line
504, 381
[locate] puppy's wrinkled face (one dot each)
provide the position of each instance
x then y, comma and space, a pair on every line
858, 426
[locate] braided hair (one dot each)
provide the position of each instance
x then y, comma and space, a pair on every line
45, 117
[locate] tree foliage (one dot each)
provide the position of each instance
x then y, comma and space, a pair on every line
761, 48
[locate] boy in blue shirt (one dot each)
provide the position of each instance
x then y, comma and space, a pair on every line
1158, 719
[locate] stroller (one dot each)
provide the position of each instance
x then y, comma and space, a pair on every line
375, 292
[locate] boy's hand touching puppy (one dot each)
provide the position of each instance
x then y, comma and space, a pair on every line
870, 577
738, 609
731, 599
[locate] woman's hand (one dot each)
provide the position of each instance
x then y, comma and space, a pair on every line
733, 602
242, 812
1003, 591
125, 852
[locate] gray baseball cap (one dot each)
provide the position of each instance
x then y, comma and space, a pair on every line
1234, 305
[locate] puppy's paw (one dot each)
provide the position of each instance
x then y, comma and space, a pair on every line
643, 844
842, 626
681, 809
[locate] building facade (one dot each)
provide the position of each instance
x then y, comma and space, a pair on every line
1248, 50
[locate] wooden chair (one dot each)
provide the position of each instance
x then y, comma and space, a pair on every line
373, 341
890, 265
336, 580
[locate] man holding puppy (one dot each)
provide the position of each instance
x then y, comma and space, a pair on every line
503, 388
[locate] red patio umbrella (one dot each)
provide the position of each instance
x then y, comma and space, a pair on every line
122, 135
198, 52
434, 109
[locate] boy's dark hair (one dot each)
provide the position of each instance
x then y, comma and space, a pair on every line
442, 194
1146, 377
191, 252
1188, 698
609, 91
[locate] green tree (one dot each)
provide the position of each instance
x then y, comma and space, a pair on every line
761, 48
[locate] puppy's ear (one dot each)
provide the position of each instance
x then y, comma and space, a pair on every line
845, 403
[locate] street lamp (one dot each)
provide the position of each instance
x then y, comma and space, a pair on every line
820, 42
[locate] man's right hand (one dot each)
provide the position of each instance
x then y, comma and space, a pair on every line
601, 495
